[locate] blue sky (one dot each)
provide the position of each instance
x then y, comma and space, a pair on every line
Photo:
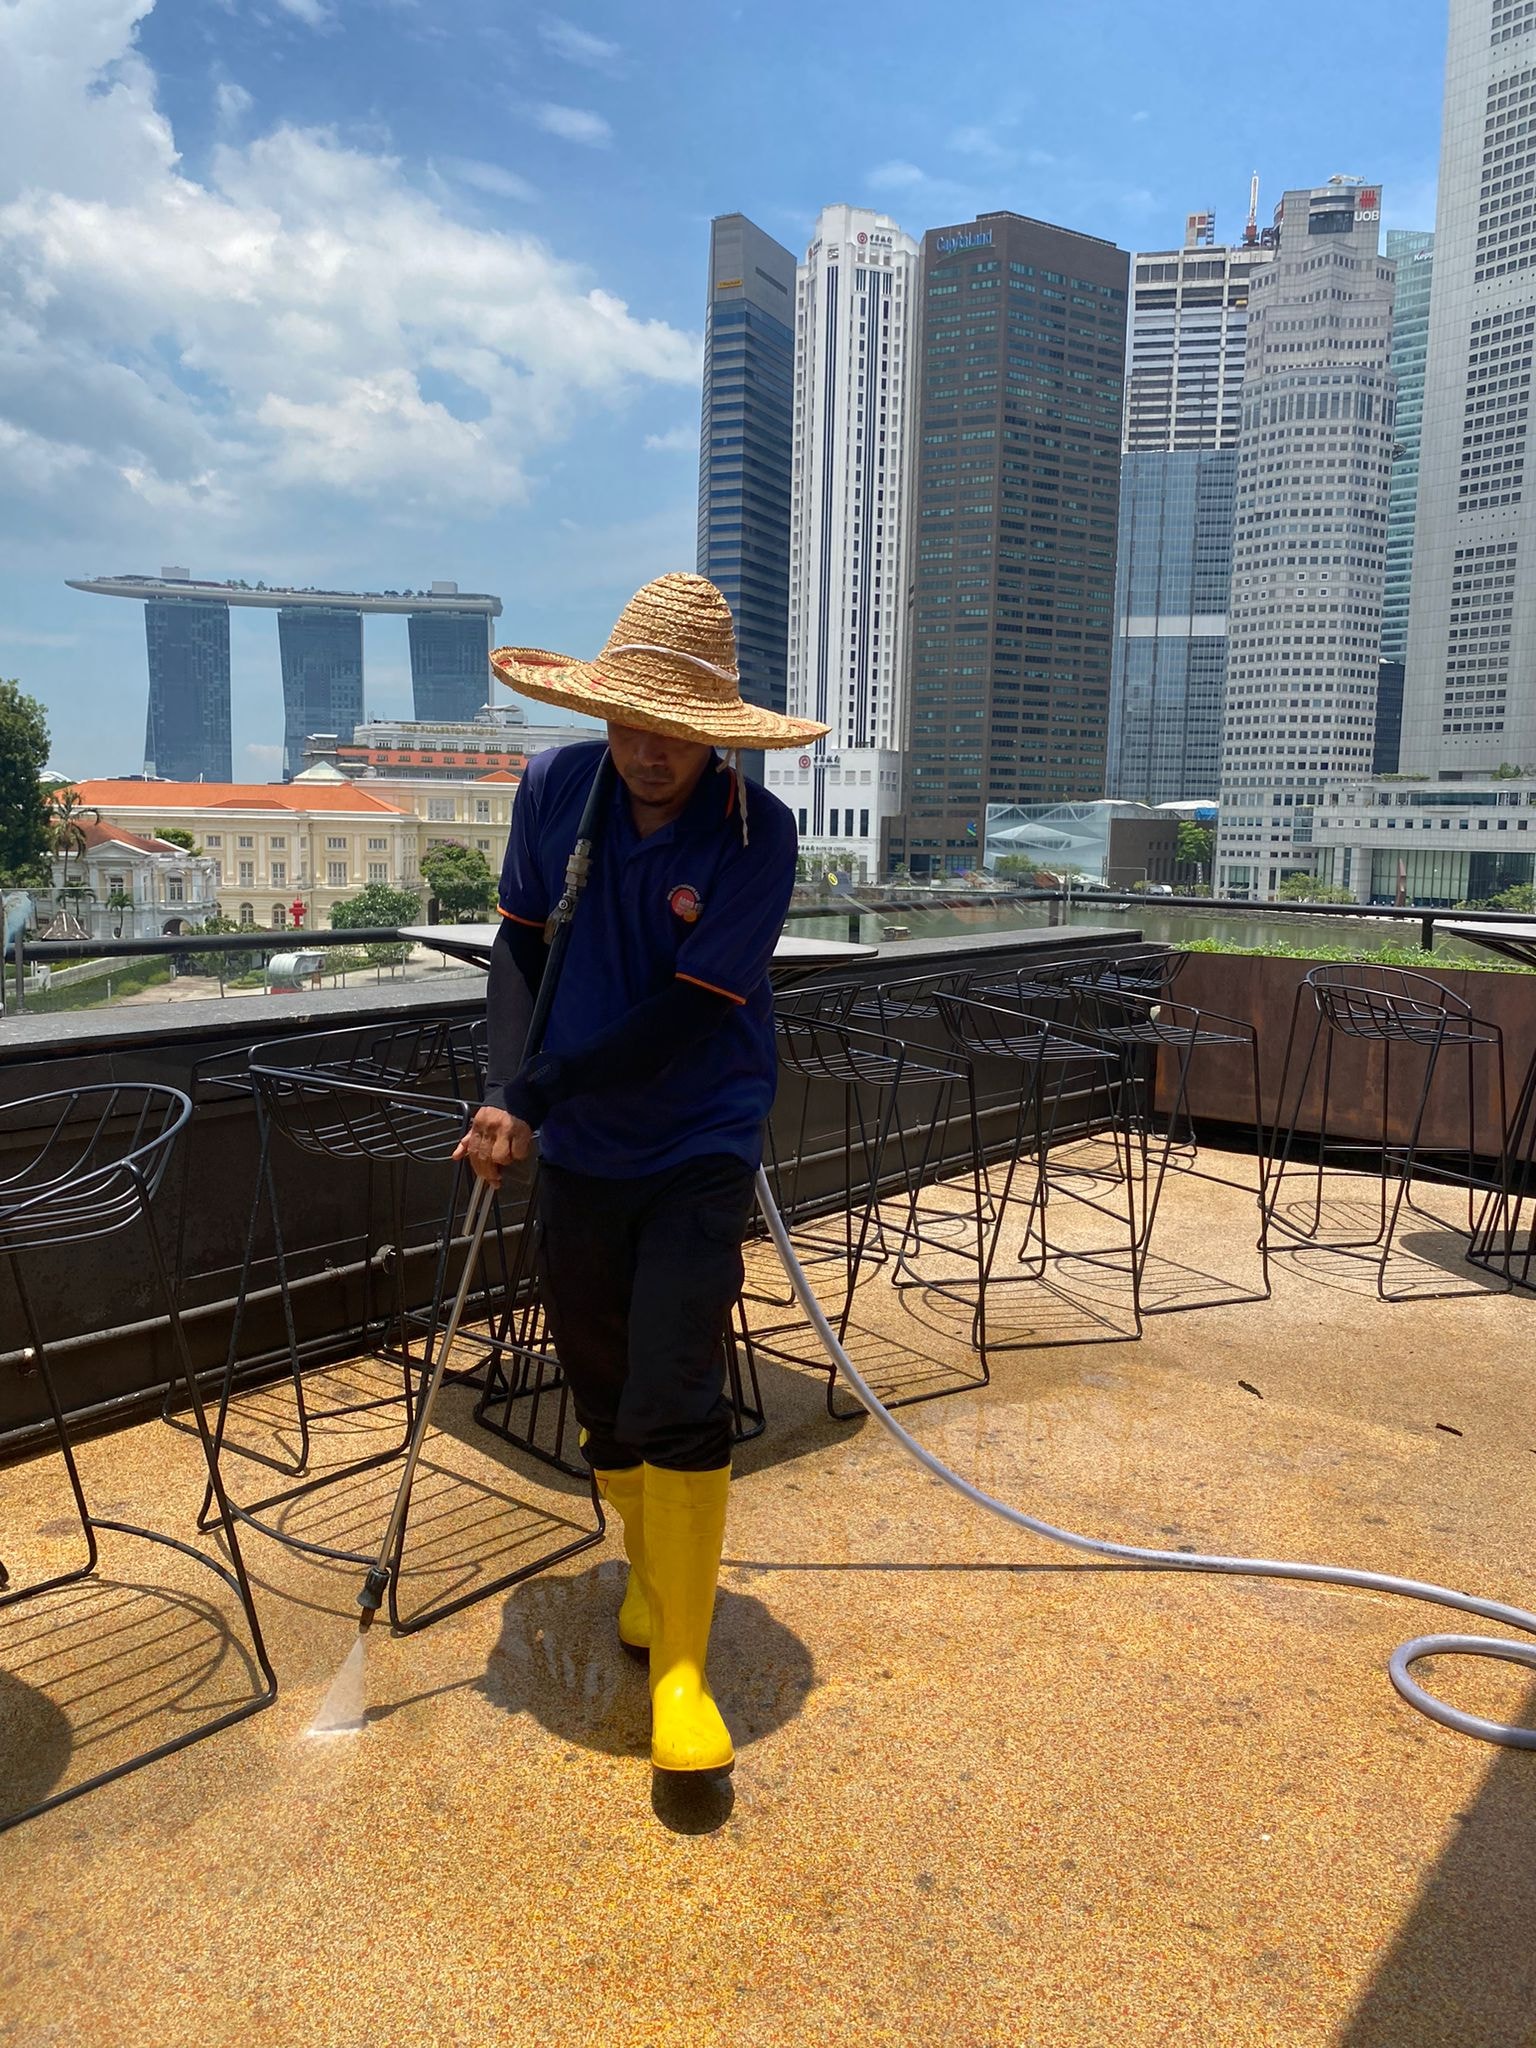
368, 292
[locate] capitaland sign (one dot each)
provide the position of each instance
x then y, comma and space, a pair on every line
963, 238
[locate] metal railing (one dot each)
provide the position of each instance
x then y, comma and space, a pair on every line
254, 940
37, 952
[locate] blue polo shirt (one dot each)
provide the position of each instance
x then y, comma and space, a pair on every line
689, 902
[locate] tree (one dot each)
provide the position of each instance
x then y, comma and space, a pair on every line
1520, 896
1300, 887
377, 905
1197, 845
461, 879
118, 900
23, 802
67, 820
225, 965
178, 835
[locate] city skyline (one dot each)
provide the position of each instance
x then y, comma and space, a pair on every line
500, 367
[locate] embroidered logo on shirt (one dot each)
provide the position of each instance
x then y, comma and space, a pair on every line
685, 902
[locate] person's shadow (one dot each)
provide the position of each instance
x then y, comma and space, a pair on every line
558, 1658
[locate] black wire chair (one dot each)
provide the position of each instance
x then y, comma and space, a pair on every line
1161, 1039
389, 1100
1504, 1241
1069, 1086
95, 1158
898, 1105
1402, 1016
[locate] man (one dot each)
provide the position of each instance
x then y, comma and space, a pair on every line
649, 1091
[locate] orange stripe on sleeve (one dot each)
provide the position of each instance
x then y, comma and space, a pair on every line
729, 993
533, 923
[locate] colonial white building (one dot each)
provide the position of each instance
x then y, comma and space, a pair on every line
855, 369
131, 885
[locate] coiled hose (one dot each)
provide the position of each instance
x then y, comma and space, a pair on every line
1403, 1658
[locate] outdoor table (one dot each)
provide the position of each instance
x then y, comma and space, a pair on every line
1516, 941
792, 957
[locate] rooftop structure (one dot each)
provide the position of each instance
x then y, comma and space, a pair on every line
179, 583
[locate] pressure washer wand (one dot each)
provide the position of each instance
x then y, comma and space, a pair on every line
577, 869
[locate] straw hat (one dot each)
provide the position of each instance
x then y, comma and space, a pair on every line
669, 667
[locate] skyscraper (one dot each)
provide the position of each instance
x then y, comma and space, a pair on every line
1178, 480
450, 664
1469, 698
1017, 483
1413, 254
854, 372
186, 728
744, 445
1309, 552
321, 651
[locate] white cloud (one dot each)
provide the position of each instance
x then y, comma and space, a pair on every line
313, 13
675, 441
492, 178
1141, 114
984, 144
231, 102
301, 323
895, 176
578, 45
574, 124
258, 755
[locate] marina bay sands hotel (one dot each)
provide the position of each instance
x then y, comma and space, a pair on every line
320, 647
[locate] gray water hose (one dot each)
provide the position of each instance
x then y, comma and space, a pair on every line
1193, 1561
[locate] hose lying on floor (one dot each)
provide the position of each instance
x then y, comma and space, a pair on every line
1192, 1561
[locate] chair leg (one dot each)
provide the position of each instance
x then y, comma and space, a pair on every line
45, 1373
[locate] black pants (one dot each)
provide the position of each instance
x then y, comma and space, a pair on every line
639, 1277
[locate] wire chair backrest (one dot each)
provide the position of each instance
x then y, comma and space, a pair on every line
1000, 1031
405, 1092
90, 1160
1149, 971
819, 1050
824, 1002
1361, 1000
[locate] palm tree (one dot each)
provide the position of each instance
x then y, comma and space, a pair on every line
67, 820
119, 900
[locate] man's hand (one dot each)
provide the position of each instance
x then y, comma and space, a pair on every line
494, 1139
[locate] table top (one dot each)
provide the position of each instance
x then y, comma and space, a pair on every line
1517, 941
473, 942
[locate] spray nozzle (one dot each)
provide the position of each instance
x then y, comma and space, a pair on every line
371, 1598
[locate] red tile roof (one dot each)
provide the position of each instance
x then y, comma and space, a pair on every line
234, 796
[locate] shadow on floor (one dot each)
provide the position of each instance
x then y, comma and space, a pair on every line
1462, 1971
100, 1671
559, 1659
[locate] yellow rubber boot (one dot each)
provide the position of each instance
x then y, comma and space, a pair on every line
624, 1491
684, 1532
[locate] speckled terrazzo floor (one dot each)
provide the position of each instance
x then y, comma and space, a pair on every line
987, 1793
